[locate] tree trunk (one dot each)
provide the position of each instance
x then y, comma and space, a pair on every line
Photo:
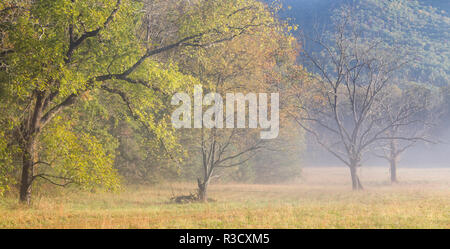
30, 129
393, 161
356, 184
28, 160
393, 170
202, 191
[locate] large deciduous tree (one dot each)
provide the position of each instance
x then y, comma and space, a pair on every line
243, 65
350, 75
56, 52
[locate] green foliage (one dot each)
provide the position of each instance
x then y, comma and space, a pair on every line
230, 17
74, 147
40, 42
95, 52
421, 30
257, 56
8, 152
76, 157
6, 167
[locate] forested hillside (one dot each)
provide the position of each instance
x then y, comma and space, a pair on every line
422, 27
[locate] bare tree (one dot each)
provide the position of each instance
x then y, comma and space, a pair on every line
220, 150
413, 105
350, 74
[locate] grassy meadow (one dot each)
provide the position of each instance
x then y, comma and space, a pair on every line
321, 199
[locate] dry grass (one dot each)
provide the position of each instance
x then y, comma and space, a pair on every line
322, 199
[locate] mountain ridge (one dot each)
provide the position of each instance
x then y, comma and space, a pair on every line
422, 27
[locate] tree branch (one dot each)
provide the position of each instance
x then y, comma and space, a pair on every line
74, 44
